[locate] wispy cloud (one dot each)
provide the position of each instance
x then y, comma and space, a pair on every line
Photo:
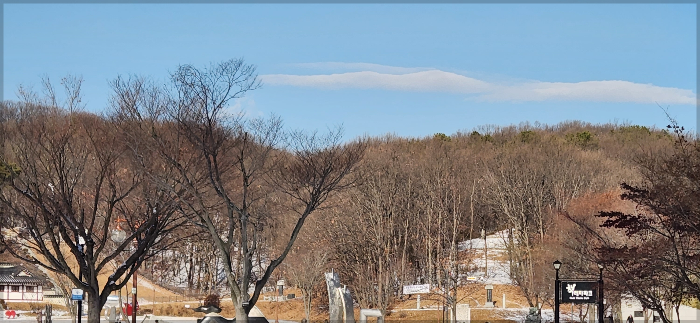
427, 81
599, 91
361, 67
245, 107
374, 76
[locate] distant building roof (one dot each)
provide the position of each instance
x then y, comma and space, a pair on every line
16, 274
20, 280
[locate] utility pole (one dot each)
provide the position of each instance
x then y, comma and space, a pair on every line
601, 304
133, 302
486, 251
81, 247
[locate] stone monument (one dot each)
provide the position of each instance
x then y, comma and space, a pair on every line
340, 307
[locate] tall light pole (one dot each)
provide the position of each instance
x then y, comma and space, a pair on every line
118, 236
81, 248
601, 304
486, 252
557, 265
133, 294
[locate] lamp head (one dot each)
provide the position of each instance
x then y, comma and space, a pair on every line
557, 264
600, 266
118, 235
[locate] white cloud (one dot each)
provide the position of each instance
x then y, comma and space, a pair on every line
600, 91
426, 81
244, 106
358, 67
376, 76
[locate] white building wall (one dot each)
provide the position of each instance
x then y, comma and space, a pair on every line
687, 314
14, 296
22, 295
630, 306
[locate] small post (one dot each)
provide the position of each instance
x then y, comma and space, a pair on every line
418, 302
504, 300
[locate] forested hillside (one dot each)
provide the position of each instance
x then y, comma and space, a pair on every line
415, 199
220, 203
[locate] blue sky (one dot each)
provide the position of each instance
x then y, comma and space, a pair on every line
408, 69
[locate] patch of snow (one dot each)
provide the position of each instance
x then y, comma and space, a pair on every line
496, 240
59, 313
498, 271
519, 315
147, 284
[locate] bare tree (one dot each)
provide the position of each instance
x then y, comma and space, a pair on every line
234, 177
306, 273
72, 179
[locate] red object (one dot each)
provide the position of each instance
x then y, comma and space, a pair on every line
10, 314
128, 308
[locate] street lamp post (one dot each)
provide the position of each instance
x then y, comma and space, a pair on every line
601, 304
486, 252
133, 301
557, 265
81, 248
118, 236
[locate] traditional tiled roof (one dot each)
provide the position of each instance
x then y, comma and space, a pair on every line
7, 279
13, 274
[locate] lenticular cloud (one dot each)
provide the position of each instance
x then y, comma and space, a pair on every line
599, 91
425, 81
440, 81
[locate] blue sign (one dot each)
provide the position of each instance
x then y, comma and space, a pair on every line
77, 294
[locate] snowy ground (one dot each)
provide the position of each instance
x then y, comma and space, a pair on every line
498, 271
519, 314
495, 241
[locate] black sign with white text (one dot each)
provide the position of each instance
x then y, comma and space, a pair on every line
579, 292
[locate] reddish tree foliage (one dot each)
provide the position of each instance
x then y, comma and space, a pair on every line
659, 259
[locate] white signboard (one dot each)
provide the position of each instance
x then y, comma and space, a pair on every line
416, 289
76, 294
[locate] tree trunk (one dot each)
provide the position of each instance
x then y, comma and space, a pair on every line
71, 307
241, 315
307, 305
190, 269
94, 309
